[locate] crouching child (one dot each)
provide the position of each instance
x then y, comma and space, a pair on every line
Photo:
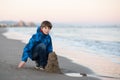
38, 47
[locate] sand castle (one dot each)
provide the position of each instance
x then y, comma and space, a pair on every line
52, 65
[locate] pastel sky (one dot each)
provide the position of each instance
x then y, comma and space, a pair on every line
78, 11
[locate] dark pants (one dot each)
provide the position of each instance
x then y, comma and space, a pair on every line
40, 55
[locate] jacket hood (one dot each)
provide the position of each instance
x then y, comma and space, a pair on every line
38, 29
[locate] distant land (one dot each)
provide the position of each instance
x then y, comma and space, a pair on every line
21, 23
17, 24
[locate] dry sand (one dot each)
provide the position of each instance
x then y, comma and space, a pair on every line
10, 54
96, 65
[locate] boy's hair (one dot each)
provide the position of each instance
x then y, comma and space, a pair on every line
46, 23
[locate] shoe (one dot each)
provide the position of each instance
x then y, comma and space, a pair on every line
37, 67
37, 64
41, 68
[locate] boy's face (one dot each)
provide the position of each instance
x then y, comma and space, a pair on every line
45, 30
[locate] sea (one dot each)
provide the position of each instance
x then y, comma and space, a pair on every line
100, 40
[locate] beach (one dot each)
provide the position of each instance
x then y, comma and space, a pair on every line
95, 66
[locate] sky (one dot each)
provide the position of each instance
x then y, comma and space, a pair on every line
67, 11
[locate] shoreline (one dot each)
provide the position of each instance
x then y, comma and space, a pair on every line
102, 66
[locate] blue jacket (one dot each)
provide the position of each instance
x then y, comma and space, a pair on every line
36, 38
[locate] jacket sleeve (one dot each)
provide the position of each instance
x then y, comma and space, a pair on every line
28, 48
50, 47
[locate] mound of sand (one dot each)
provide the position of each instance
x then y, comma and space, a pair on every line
52, 65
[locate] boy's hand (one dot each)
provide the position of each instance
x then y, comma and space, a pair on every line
21, 64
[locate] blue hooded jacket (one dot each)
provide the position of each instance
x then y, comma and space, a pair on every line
39, 37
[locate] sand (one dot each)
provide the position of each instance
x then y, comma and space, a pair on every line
70, 60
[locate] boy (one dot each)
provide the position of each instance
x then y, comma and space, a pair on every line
39, 46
